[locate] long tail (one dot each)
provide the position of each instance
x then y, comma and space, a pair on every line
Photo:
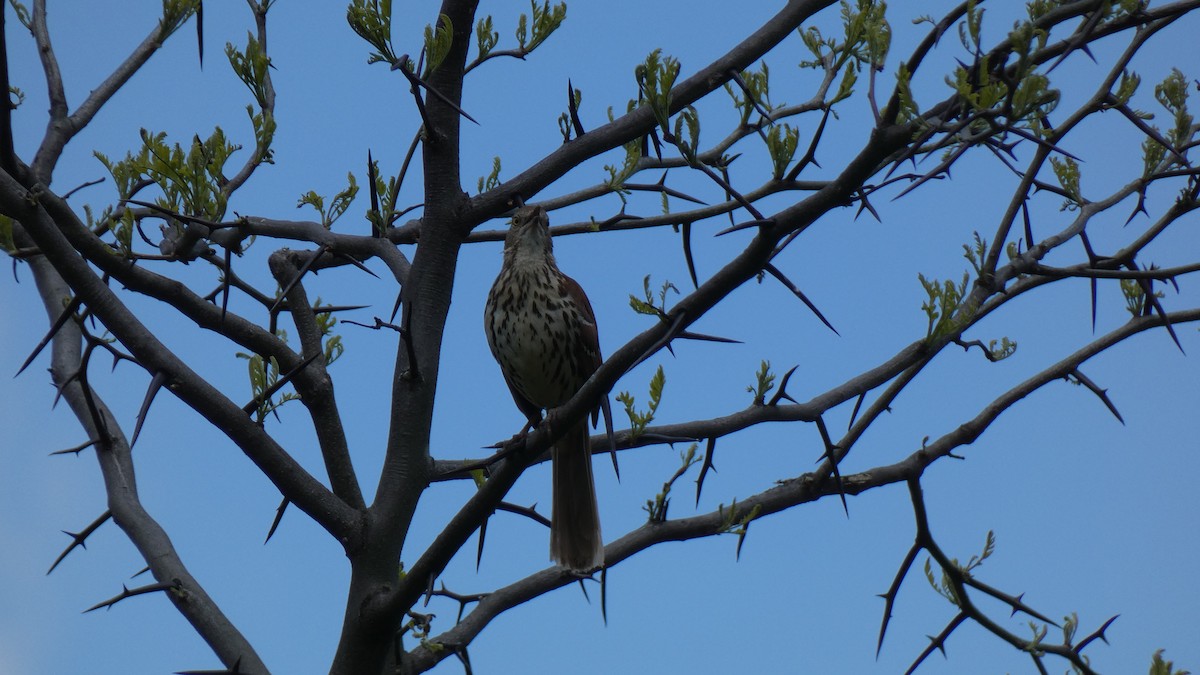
575, 540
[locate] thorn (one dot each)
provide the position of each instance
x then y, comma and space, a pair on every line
701, 337
373, 182
606, 409
708, 464
604, 594
479, 550
278, 517
126, 592
857, 407
67, 313
744, 226
156, 383
781, 392
686, 234
741, 539
75, 450
774, 271
200, 32
574, 110
833, 465
79, 539
299, 275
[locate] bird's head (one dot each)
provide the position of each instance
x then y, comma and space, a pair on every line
529, 234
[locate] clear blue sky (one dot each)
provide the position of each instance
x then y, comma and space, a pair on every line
1090, 516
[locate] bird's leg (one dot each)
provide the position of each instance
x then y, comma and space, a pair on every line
507, 448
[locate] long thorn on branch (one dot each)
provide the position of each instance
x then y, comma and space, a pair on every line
1102, 394
79, 539
831, 455
127, 592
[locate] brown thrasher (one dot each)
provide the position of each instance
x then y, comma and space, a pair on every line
542, 331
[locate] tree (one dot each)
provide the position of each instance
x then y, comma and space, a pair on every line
889, 111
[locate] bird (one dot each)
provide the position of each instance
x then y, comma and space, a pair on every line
542, 331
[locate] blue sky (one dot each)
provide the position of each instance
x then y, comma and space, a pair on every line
1090, 516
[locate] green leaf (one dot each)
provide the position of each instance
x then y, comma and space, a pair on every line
22, 14
1172, 94
1066, 170
764, 382
175, 14
618, 176
20, 97
264, 132
656, 76
1160, 666
337, 206
437, 43
976, 253
1003, 350
493, 179
1127, 87
657, 507
651, 305
6, 235
372, 21
689, 145
546, 20
782, 140
251, 68
942, 306
486, 37
908, 106
638, 420
1135, 296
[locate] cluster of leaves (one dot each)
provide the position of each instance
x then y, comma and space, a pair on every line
372, 21
385, 193
738, 525
1017, 93
251, 67
437, 43
546, 20
337, 206
1172, 94
753, 94
764, 382
942, 305
565, 124
1160, 666
945, 585
190, 181
265, 374
1135, 296
656, 508
264, 378
175, 14
486, 37
493, 179
638, 420
782, 140
648, 303
655, 78
865, 42
1066, 170
618, 175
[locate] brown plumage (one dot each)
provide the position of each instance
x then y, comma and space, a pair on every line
542, 331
